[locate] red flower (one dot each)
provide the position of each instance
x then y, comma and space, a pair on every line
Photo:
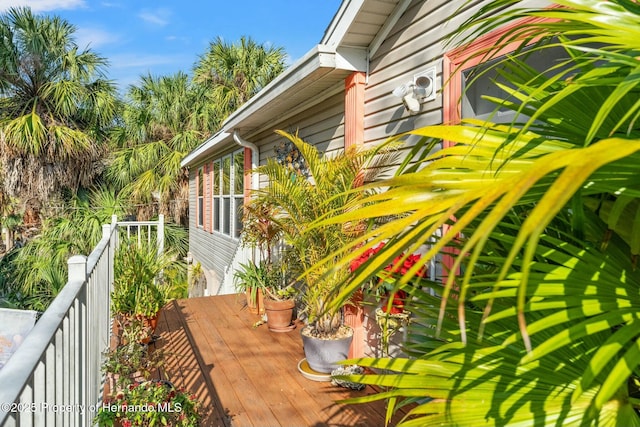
126, 423
356, 263
397, 303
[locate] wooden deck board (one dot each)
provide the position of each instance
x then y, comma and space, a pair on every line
247, 376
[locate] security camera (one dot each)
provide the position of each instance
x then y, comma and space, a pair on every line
408, 94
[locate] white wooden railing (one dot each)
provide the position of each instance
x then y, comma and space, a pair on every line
54, 377
242, 255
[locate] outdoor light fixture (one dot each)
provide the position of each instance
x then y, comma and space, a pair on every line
420, 90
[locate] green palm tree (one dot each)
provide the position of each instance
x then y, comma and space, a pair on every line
163, 119
234, 72
539, 327
299, 196
54, 109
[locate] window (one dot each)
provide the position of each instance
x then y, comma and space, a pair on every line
200, 196
462, 102
228, 193
461, 66
482, 79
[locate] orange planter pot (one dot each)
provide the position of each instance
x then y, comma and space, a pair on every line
279, 314
257, 306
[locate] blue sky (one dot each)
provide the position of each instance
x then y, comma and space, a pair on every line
165, 36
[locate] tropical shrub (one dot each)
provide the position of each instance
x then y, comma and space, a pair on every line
536, 324
297, 200
150, 403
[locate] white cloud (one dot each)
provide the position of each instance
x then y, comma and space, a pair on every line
177, 39
133, 60
94, 37
112, 4
42, 5
158, 17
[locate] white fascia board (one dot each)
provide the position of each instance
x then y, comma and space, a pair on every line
320, 57
205, 148
388, 25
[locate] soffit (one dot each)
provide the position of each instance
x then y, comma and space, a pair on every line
358, 22
297, 88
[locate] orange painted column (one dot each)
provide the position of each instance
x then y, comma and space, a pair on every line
354, 109
354, 135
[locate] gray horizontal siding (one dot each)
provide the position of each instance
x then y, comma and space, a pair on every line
213, 250
417, 42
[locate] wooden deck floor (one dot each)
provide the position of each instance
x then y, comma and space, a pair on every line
248, 376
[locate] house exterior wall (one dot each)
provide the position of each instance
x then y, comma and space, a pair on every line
213, 250
321, 125
415, 43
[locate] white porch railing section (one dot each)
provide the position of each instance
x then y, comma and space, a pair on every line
242, 255
142, 231
54, 377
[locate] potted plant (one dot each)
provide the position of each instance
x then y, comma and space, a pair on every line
138, 285
300, 197
260, 232
268, 277
280, 294
150, 403
247, 280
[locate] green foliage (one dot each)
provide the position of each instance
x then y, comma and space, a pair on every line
132, 361
38, 271
271, 278
151, 403
232, 73
260, 229
54, 109
540, 326
297, 202
162, 121
138, 279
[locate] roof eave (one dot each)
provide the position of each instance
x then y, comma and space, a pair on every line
207, 147
319, 58
319, 63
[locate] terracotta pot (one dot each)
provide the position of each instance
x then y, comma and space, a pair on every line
255, 307
279, 314
150, 324
323, 354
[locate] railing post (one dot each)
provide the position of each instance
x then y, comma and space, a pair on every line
79, 337
114, 224
160, 234
77, 268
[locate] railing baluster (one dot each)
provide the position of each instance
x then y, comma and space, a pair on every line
26, 417
39, 394
59, 376
50, 378
66, 352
